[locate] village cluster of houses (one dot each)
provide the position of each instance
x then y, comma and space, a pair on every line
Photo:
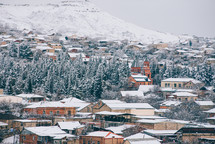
75, 121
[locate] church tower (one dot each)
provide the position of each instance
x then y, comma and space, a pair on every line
146, 68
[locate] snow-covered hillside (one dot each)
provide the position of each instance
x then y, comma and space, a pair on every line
74, 17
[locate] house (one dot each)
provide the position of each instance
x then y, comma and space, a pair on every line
161, 124
10, 99
169, 104
211, 112
109, 119
20, 124
81, 106
146, 88
73, 56
192, 132
181, 83
3, 125
125, 129
132, 94
101, 137
166, 136
161, 112
31, 97
137, 78
53, 108
211, 61
119, 129
205, 105
55, 45
122, 107
71, 127
160, 45
8, 119
45, 134
184, 96
141, 138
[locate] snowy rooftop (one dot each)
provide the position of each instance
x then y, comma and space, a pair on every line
71, 99
162, 132
151, 121
170, 103
52, 131
162, 110
181, 80
139, 136
3, 124
146, 88
70, 125
74, 55
184, 90
104, 134
204, 103
48, 104
132, 93
30, 96
30, 121
129, 106
184, 94
112, 101
119, 129
211, 111
140, 78
145, 142
162, 120
75, 102
108, 113
150, 117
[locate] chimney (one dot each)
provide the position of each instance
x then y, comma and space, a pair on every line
1, 91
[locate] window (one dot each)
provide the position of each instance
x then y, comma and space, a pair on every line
33, 138
98, 142
168, 84
44, 112
58, 112
69, 113
175, 85
51, 113
179, 99
88, 142
186, 99
23, 137
93, 142
179, 85
165, 84
84, 141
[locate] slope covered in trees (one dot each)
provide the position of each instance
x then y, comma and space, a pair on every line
60, 77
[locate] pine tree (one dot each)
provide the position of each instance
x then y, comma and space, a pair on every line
13, 50
24, 51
